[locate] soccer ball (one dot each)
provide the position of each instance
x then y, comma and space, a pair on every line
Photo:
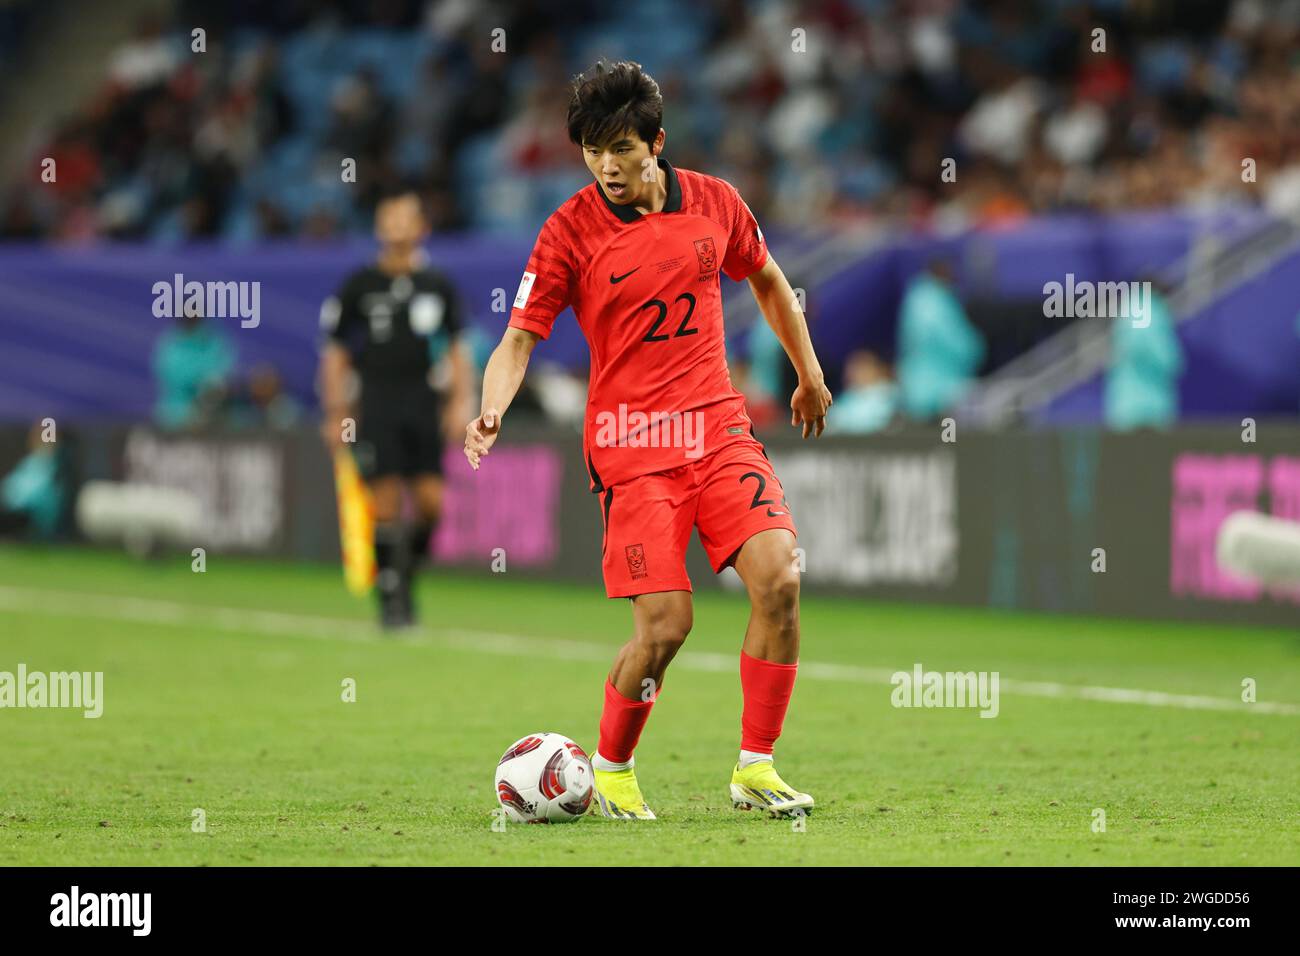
544, 778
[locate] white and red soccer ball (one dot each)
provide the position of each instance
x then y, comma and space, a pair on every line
544, 778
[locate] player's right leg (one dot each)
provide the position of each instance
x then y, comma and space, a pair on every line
662, 621
648, 524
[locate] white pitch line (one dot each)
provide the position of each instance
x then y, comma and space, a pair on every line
283, 624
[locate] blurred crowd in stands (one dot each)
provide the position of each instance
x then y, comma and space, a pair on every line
199, 383
939, 355
821, 112
935, 115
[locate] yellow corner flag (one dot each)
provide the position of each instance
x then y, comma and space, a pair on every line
356, 524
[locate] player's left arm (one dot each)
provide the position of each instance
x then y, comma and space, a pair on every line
780, 306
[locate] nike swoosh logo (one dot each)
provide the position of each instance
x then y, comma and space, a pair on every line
774, 514
615, 280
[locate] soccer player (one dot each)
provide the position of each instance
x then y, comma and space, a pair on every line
391, 322
669, 446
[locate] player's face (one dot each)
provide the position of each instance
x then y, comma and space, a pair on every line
399, 221
621, 166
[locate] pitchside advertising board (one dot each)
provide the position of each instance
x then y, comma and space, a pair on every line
1076, 521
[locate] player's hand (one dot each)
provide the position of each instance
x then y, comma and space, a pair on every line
481, 435
808, 407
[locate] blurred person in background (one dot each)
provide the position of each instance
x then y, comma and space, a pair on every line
764, 378
191, 363
767, 375
262, 402
1146, 360
940, 351
388, 323
868, 399
760, 404
32, 496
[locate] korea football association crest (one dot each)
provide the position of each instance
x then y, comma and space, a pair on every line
708, 256
636, 561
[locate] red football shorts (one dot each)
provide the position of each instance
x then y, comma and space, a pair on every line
729, 496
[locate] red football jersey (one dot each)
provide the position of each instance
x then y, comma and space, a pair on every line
646, 291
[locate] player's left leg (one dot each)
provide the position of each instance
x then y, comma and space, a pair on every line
769, 661
744, 521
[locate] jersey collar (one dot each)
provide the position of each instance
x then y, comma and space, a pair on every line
672, 204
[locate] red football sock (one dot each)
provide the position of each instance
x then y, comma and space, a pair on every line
620, 724
767, 687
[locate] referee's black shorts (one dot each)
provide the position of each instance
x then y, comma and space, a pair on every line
400, 432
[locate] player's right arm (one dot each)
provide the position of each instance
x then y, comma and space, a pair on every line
544, 291
501, 380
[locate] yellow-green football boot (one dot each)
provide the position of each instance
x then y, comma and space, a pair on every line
618, 796
759, 786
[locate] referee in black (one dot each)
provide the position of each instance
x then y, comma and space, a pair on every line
386, 331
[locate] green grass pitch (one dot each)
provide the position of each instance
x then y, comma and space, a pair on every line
223, 693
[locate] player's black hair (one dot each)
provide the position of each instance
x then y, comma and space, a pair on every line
612, 97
